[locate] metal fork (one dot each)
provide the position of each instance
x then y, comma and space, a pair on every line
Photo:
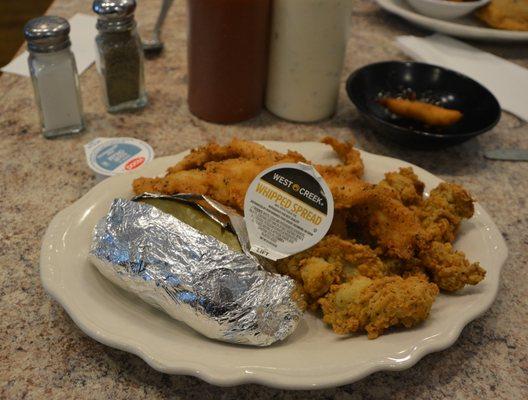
154, 46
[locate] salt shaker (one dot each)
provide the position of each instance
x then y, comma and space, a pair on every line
54, 75
119, 55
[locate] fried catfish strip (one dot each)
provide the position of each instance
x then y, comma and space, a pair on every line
352, 166
374, 305
225, 180
383, 214
441, 213
406, 185
225, 172
450, 269
344, 180
391, 225
240, 149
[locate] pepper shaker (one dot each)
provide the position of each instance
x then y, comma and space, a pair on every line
119, 55
54, 76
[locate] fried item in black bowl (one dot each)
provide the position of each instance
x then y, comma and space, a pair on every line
427, 83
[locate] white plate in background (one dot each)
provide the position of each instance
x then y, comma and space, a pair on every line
313, 357
467, 27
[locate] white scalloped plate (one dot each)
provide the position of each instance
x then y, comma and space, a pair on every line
467, 27
313, 357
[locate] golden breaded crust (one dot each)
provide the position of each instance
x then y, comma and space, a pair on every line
333, 260
406, 186
440, 214
225, 172
450, 269
378, 304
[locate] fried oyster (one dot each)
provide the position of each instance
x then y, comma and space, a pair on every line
331, 261
374, 305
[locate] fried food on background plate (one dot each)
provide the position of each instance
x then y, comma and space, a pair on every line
374, 305
388, 251
505, 14
421, 111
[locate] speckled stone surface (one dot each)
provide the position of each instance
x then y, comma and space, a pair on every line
44, 355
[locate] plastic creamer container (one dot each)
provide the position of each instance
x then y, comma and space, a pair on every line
112, 156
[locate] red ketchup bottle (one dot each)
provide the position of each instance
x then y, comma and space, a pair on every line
227, 58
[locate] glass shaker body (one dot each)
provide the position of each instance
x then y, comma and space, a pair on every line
120, 64
307, 49
56, 86
227, 58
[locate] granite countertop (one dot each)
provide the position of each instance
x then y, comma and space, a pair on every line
44, 354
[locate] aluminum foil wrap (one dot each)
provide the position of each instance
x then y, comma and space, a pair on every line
193, 277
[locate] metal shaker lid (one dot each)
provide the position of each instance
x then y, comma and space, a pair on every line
114, 15
47, 34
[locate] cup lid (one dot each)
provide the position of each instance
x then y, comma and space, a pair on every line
114, 8
47, 34
114, 15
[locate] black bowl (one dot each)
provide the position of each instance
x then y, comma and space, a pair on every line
440, 86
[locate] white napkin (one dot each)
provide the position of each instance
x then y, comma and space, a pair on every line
82, 36
506, 80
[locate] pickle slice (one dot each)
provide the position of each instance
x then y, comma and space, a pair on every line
197, 219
